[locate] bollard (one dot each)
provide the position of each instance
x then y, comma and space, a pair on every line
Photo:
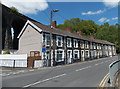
14, 64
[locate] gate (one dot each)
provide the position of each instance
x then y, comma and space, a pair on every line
34, 55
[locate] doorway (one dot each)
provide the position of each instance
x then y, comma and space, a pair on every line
69, 56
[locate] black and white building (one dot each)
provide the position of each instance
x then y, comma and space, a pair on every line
61, 46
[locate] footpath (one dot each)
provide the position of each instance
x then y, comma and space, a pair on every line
117, 81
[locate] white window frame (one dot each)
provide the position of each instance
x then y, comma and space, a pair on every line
77, 53
97, 46
46, 40
70, 42
86, 45
88, 53
91, 46
61, 41
75, 40
56, 55
94, 45
45, 54
82, 55
71, 53
82, 44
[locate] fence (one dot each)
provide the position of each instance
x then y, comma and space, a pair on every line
17, 60
13, 63
113, 69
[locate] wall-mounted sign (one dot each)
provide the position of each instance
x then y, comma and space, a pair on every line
43, 50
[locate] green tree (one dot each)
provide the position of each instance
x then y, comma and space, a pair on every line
88, 27
14, 9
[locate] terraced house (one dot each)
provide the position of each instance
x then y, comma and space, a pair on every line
61, 46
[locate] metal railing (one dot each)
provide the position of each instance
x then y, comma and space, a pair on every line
113, 69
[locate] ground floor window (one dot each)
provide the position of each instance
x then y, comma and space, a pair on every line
59, 55
87, 54
76, 54
46, 55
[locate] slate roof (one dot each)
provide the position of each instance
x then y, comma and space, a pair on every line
46, 28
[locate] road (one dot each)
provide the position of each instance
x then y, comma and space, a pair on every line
82, 74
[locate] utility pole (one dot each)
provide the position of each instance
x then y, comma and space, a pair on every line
50, 60
51, 16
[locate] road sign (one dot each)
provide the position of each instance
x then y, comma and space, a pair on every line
43, 50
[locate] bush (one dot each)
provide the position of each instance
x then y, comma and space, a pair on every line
6, 52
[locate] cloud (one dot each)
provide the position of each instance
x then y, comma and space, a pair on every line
27, 6
102, 19
107, 20
108, 3
111, 3
115, 18
93, 12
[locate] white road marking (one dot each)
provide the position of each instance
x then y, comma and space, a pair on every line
106, 61
96, 64
16, 72
22, 71
101, 62
83, 68
5, 75
10, 73
31, 70
44, 80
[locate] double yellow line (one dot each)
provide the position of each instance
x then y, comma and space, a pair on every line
103, 82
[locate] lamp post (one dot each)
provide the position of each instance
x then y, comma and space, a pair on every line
51, 16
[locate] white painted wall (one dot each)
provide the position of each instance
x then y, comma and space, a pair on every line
38, 63
8, 60
31, 40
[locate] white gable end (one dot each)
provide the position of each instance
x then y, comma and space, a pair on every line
26, 24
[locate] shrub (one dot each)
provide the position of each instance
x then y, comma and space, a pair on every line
6, 52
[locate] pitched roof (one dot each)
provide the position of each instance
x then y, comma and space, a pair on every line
46, 28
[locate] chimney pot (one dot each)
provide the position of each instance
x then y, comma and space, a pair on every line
68, 29
79, 32
92, 37
54, 24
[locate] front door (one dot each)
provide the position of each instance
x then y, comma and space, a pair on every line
82, 55
69, 56
48, 58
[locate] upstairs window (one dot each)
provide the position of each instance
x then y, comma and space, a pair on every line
86, 45
69, 43
47, 39
91, 46
97, 46
94, 45
59, 41
75, 43
82, 44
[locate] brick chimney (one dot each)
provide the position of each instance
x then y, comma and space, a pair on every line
68, 29
54, 24
79, 32
92, 37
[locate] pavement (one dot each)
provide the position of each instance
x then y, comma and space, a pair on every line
117, 81
83, 74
